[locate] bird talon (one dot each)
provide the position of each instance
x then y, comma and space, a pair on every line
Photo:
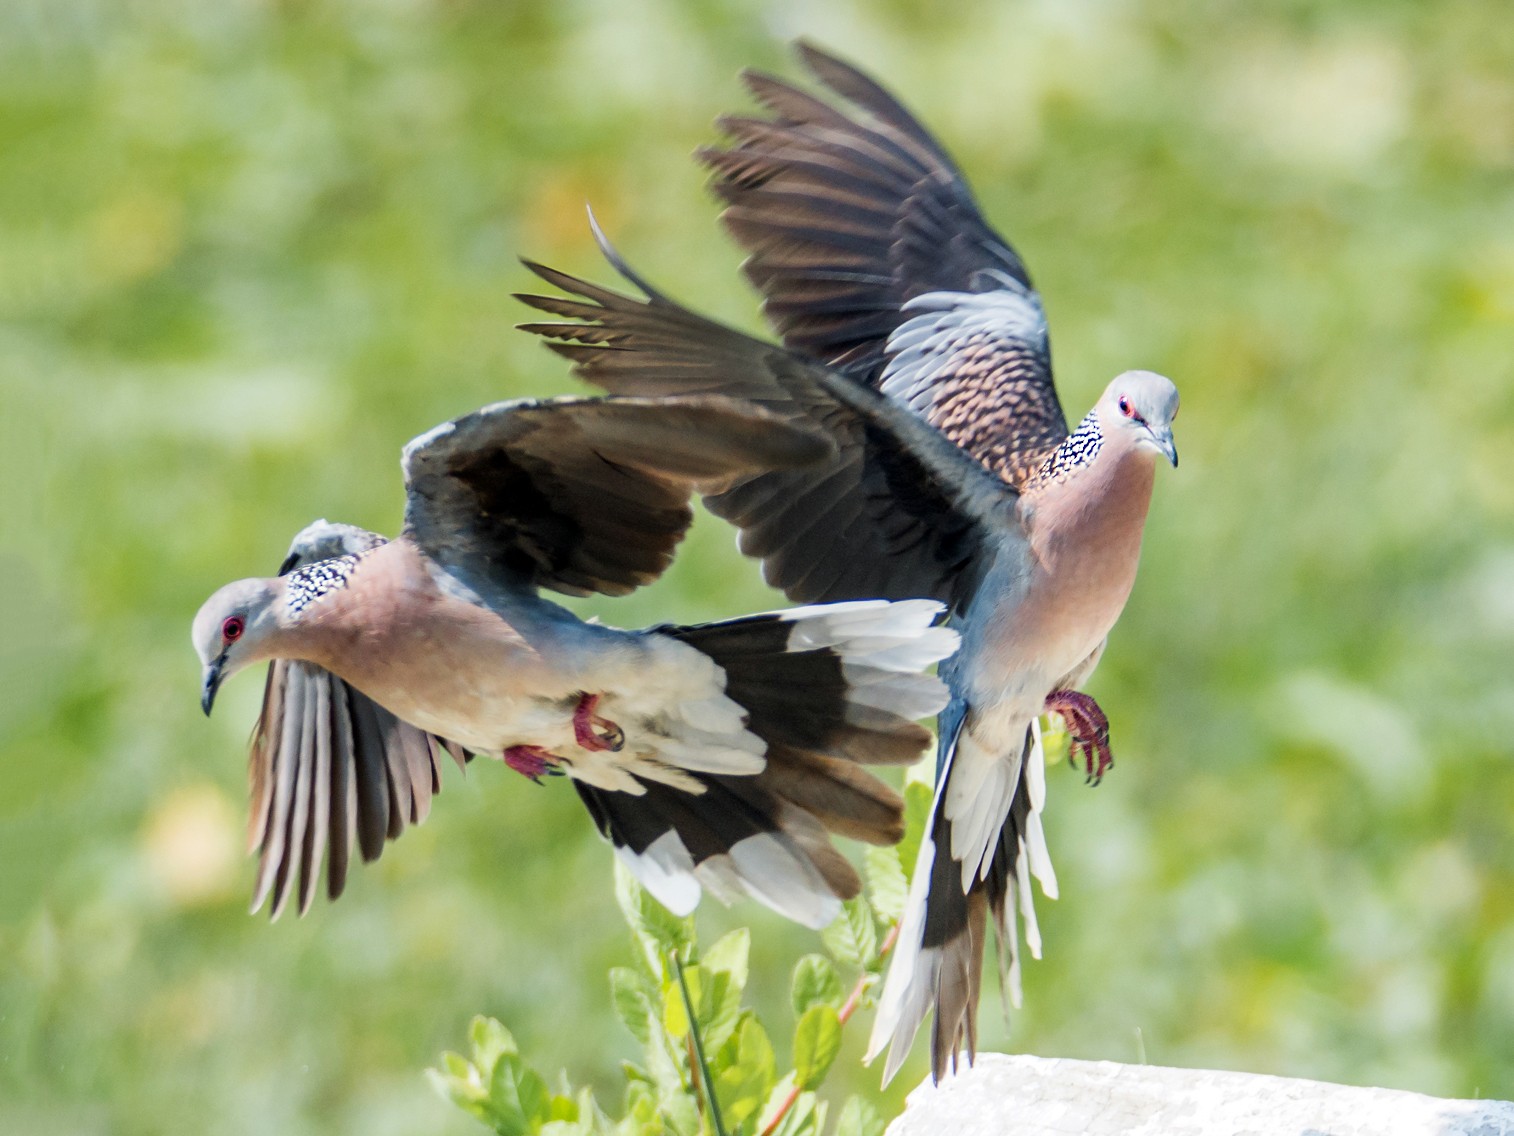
595, 733
1088, 730
531, 761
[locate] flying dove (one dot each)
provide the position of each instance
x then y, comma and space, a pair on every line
914, 339
713, 757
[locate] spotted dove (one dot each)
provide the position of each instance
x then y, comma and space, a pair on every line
716, 756
913, 337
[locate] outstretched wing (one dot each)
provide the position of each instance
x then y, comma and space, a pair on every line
329, 767
872, 255
898, 512
585, 495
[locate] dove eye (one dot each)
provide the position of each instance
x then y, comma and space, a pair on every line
1125, 407
232, 629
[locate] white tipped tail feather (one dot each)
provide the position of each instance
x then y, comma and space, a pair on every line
939, 958
826, 688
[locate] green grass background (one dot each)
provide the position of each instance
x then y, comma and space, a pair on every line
249, 248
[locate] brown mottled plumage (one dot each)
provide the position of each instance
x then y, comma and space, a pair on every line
851, 222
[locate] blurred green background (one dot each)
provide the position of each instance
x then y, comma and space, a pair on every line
248, 248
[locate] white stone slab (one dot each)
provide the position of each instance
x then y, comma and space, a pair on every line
1034, 1096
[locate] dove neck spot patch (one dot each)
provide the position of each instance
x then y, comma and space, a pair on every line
1077, 450
315, 582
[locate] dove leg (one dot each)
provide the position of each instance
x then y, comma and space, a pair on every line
530, 761
1088, 728
593, 732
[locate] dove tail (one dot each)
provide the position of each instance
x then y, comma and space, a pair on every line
938, 963
843, 680
825, 688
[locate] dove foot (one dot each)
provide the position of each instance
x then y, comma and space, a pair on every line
593, 732
1088, 728
530, 761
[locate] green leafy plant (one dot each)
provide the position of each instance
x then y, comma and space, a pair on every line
707, 1066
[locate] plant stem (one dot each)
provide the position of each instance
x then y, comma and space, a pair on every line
848, 1008
783, 1109
698, 1086
700, 1061
854, 999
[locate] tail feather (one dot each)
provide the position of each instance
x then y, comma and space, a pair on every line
847, 800
938, 963
733, 837
808, 683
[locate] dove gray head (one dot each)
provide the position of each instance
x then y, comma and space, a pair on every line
234, 628
1140, 406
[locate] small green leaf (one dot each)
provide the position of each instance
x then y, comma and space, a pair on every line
858, 1118
662, 932
673, 933
643, 1117
817, 1040
719, 1008
562, 1107
745, 1082
852, 938
730, 954
628, 990
887, 885
1056, 740
638, 1088
917, 798
678, 1111
518, 1098
467, 1092
675, 1017
490, 1041
666, 1061
815, 983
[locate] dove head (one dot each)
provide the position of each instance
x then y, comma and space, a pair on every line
233, 629
1140, 406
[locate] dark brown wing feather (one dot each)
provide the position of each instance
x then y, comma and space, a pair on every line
853, 215
329, 768
898, 512
586, 495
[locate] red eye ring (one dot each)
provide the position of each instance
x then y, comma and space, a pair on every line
232, 629
1125, 408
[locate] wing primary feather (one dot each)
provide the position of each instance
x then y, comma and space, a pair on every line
343, 792
285, 883
371, 778
263, 756
317, 829
275, 850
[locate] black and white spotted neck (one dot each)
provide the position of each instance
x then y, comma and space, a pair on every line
1077, 450
314, 582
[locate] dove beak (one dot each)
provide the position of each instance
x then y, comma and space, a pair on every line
1162, 436
211, 684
